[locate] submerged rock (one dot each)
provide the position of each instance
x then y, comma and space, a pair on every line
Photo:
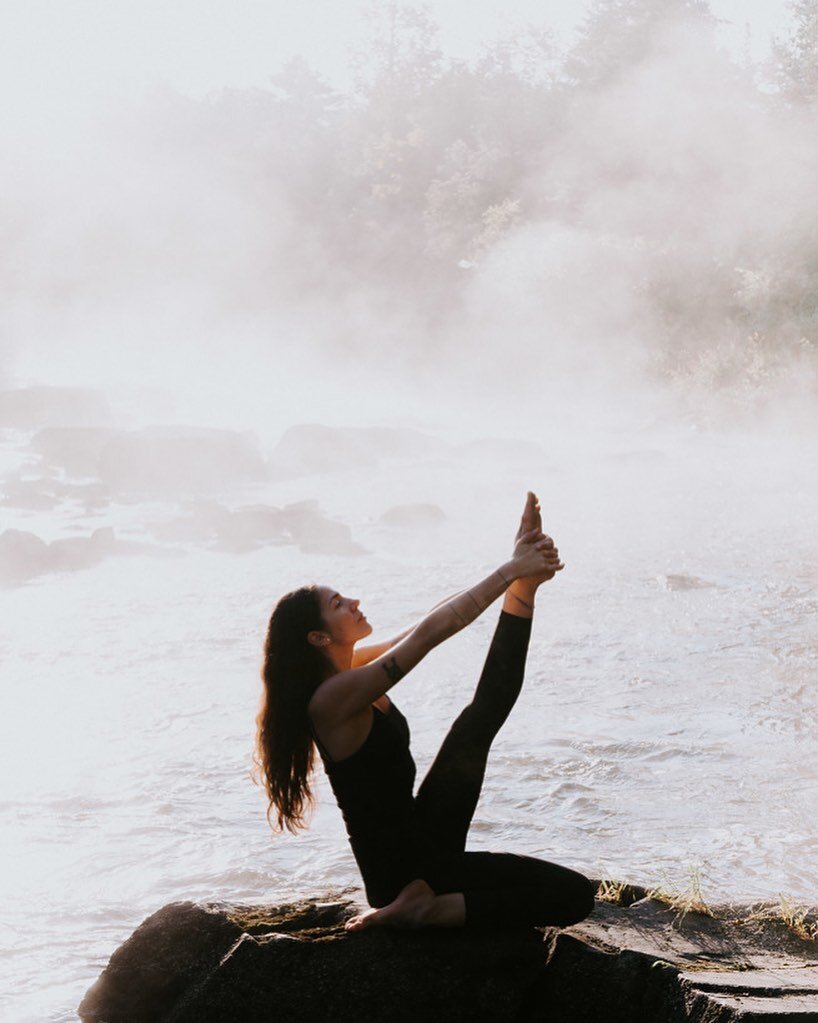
245, 528
234, 531
159, 462
45, 494
316, 534
637, 962
25, 555
165, 462
413, 516
678, 582
74, 450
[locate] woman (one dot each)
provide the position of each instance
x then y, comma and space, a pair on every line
320, 691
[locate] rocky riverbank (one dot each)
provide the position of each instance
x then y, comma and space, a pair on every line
634, 960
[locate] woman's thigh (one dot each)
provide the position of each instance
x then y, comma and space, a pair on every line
504, 888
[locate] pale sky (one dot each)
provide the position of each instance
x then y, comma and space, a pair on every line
63, 60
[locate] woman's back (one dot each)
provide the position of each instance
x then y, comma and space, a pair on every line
374, 790
374, 785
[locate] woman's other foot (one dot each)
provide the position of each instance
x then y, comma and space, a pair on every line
416, 906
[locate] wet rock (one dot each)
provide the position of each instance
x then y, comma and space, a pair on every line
685, 582
245, 528
171, 953
199, 525
637, 962
25, 556
314, 533
160, 462
29, 495
75, 553
234, 531
312, 448
45, 494
251, 526
75, 451
648, 961
413, 516
28, 408
169, 462
189, 964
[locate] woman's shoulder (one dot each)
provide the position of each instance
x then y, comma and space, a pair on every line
338, 737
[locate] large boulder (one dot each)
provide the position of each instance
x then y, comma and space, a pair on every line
234, 531
314, 533
636, 961
248, 527
413, 516
167, 462
201, 964
74, 450
46, 493
159, 461
25, 555
649, 960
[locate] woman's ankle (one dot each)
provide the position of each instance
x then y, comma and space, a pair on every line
447, 910
520, 597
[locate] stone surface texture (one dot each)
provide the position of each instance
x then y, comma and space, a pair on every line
640, 960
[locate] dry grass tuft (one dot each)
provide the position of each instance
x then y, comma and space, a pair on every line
683, 900
612, 891
799, 919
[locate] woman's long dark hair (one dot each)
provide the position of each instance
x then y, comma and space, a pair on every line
293, 670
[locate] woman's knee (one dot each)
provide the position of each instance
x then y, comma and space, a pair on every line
580, 903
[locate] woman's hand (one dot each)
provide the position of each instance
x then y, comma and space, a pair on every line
535, 556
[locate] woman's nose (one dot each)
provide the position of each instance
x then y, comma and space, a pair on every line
354, 604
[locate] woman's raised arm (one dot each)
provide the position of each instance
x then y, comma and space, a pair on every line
347, 693
365, 654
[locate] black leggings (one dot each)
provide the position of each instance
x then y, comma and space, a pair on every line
499, 888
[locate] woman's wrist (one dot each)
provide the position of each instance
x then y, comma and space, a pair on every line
507, 572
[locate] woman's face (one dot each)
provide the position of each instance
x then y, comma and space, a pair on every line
344, 622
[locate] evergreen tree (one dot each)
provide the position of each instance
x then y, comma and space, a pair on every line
797, 57
617, 34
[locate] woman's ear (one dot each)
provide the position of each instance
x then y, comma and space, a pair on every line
317, 638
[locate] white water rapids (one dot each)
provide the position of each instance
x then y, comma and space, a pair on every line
667, 724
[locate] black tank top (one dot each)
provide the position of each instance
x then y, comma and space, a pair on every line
374, 786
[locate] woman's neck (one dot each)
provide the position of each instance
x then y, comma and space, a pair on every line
340, 658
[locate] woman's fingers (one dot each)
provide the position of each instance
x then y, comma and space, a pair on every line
547, 545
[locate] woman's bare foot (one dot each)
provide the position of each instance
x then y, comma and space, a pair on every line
531, 517
520, 596
416, 906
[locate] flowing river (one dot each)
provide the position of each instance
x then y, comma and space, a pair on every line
667, 729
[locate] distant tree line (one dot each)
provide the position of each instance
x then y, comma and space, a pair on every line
420, 171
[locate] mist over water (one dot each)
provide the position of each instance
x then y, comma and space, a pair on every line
333, 332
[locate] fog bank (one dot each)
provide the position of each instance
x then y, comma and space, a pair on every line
627, 213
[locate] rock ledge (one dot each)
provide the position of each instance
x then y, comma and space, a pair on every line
633, 962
